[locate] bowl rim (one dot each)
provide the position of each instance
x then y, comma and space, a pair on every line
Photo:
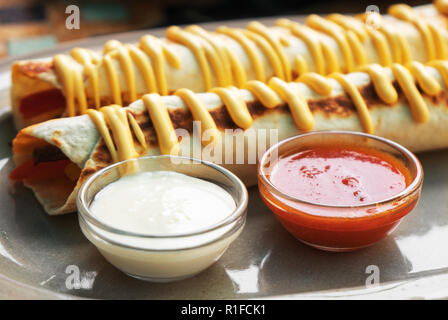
411, 188
238, 213
122, 244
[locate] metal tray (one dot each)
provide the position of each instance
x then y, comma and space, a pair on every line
39, 255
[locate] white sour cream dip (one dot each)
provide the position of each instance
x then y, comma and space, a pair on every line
162, 203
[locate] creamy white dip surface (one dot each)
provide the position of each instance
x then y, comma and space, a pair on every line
162, 203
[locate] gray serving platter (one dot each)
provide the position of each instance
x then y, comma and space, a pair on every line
40, 255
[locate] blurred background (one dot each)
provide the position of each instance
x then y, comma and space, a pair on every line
29, 25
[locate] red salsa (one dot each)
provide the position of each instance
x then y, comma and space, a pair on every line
340, 176
335, 195
41, 102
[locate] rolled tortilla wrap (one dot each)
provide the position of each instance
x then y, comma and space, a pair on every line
80, 143
38, 93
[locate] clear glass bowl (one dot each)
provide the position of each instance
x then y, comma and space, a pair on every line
163, 258
339, 228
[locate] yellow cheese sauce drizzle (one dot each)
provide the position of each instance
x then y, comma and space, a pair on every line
300, 64
333, 30
87, 58
200, 113
115, 118
419, 110
398, 46
382, 46
195, 44
224, 67
262, 30
358, 101
161, 121
359, 54
237, 68
249, 47
158, 52
221, 67
274, 59
349, 23
383, 86
123, 126
312, 44
405, 12
130, 58
236, 107
72, 82
442, 68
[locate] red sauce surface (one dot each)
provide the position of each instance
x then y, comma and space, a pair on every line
340, 176
41, 171
41, 102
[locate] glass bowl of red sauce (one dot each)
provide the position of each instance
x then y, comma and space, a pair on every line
339, 190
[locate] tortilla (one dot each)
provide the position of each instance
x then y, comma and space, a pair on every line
79, 140
36, 85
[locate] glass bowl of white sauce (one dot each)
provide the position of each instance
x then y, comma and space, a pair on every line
162, 218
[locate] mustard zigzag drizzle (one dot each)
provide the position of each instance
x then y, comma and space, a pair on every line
151, 54
121, 123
